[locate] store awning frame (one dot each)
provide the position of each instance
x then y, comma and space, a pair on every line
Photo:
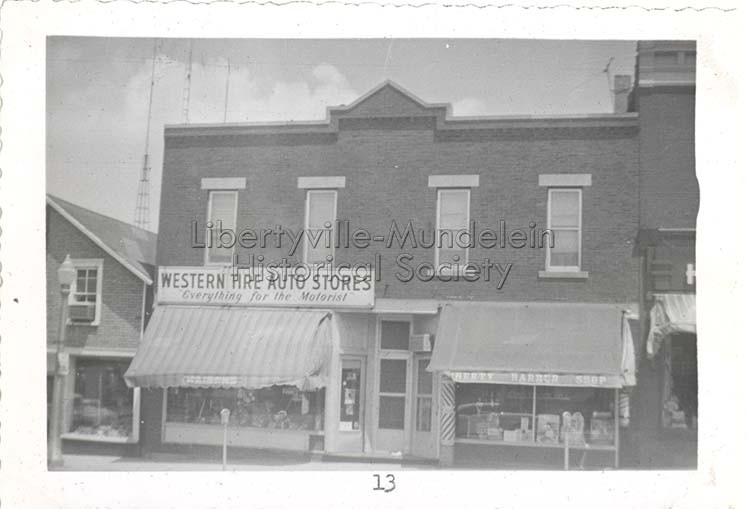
209, 346
671, 313
555, 344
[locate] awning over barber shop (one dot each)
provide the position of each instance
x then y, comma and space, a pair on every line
671, 313
193, 346
535, 344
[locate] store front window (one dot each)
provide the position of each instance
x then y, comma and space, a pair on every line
350, 400
276, 407
102, 402
535, 414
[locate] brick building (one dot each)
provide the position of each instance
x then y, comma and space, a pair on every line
109, 304
494, 346
666, 406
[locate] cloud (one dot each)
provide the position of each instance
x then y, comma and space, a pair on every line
298, 100
468, 107
97, 120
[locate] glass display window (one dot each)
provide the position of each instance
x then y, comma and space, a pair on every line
586, 412
350, 396
495, 412
102, 404
536, 415
276, 407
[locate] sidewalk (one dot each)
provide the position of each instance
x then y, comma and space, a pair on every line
80, 462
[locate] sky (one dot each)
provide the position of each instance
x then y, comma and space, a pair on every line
98, 90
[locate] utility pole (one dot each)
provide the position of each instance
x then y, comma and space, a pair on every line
187, 86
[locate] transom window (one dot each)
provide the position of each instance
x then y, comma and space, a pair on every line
321, 214
564, 221
221, 216
452, 217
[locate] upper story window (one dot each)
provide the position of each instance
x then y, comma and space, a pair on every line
321, 215
452, 217
221, 215
84, 302
564, 220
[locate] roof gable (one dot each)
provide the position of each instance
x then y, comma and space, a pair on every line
131, 246
389, 100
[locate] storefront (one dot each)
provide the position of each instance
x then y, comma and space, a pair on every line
541, 377
98, 406
666, 406
268, 367
672, 346
346, 379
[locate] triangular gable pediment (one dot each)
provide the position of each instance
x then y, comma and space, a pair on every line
389, 100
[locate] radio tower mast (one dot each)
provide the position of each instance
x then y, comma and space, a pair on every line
142, 208
187, 86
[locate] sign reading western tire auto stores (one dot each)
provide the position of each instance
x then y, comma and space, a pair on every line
246, 287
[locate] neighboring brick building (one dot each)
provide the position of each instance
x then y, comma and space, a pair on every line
418, 368
109, 305
666, 406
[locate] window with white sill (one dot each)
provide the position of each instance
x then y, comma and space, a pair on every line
321, 215
222, 207
452, 217
564, 212
84, 302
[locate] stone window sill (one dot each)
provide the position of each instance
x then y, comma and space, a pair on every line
551, 274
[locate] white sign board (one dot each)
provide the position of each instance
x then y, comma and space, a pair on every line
246, 287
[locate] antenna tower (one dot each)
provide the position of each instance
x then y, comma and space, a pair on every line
142, 208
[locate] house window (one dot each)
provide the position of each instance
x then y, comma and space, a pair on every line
321, 214
85, 292
221, 216
564, 221
452, 217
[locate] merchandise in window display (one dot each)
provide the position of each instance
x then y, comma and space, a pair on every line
602, 428
276, 407
548, 428
102, 402
505, 413
350, 400
573, 426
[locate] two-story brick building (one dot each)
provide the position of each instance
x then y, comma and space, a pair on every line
109, 303
507, 340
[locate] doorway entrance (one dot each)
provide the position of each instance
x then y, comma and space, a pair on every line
404, 409
423, 409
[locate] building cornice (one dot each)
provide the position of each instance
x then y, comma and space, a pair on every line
443, 124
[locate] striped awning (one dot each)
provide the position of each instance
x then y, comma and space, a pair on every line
191, 346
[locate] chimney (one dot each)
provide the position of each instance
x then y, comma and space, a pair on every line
621, 89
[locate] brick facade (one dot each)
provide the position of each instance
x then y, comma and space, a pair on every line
669, 186
387, 161
122, 292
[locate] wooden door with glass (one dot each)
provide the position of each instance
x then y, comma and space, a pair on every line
393, 388
423, 431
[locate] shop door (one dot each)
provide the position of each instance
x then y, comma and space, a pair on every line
423, 436
352, 404
393, 403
